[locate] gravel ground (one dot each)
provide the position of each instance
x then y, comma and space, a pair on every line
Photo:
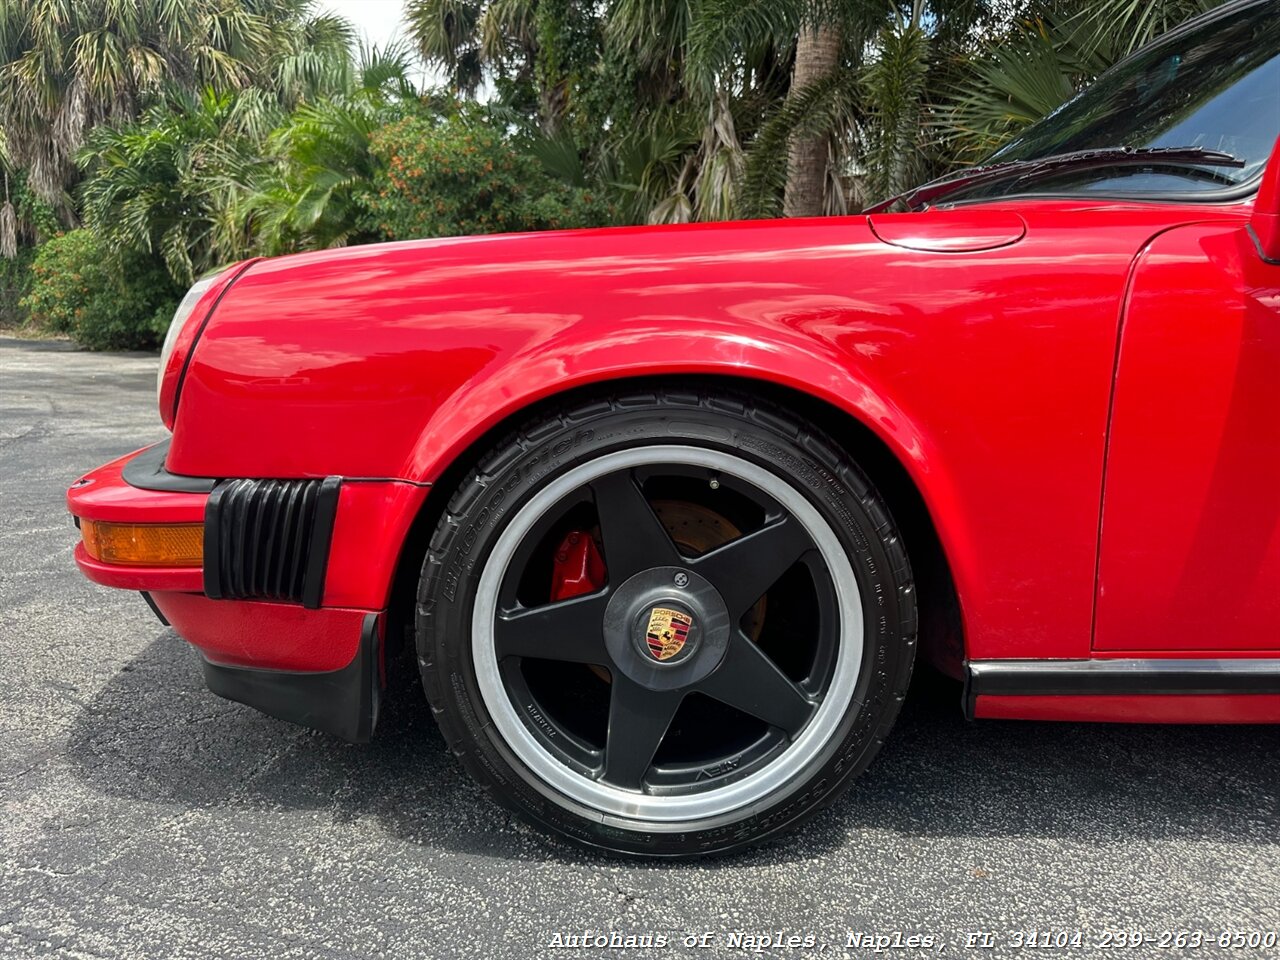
144, 817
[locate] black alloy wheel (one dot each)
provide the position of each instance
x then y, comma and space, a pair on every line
666, 624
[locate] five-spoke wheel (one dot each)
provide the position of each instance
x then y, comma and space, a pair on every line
667, 637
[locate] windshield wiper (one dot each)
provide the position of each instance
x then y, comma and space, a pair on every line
1058, 163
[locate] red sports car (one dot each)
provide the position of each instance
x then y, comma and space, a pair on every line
667, 510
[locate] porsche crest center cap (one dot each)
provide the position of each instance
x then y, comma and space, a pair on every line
667, 632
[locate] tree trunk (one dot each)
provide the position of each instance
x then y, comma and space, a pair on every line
817, 55
553, 104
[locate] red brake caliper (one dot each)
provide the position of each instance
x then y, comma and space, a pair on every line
578, 566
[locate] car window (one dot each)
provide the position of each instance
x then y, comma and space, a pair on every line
1215, 86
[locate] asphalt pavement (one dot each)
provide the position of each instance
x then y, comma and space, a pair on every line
141, 816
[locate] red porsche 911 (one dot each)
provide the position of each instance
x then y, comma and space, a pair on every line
668, 510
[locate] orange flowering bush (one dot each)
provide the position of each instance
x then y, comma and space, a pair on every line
456, 176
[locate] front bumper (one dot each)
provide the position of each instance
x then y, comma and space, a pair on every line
104, 494
319, 662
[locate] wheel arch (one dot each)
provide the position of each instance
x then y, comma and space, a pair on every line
941, 626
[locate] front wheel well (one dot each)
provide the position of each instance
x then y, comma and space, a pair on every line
940, 626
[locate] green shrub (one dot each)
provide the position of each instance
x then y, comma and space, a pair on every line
104, 301
34, 222
455, 176
15, 282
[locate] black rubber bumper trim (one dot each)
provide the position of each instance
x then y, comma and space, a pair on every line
154, 609
342, 702
233, 559
1125, 677
146, 472
1257, 242
321, 541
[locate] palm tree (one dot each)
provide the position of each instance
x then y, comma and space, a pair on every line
703, 75
166, 184
68, 65
1118, 27
447, 34
468, 38
817, 59
522, 44
308, 195
894, 83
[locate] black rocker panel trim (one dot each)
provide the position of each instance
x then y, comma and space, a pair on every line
1082, 678
269, 539
146, 471
342, 702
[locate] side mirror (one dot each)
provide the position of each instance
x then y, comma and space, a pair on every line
1265, 222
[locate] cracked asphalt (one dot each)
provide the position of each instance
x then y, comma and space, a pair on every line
144, 817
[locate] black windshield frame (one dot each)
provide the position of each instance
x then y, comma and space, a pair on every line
1092, 119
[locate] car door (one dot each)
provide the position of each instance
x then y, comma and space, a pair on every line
1190, 536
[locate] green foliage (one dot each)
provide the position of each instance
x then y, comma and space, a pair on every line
894, 84
28, 219
37, 219
80, 286
309, 197
1115, 28
67, 66
1036, 67
308, 194
649, 169
720, 31
456, 175
1036, 63
15, 282
461, 36
166, 185
819, 108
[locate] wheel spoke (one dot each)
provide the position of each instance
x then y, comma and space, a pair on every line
749, 681
638, 720
744, 569
569, 630
634, 538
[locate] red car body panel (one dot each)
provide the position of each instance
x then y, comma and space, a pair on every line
190, 579
372, 523
232, 632
171, 377
103, 494
1169, 708
1190, 554
987, 373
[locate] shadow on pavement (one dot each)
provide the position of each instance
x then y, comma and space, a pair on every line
154, 734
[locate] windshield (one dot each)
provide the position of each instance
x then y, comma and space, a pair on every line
1215, 86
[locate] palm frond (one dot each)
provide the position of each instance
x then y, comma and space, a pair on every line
818, 110
893, 93
1121, 26
720, 30
1013, 85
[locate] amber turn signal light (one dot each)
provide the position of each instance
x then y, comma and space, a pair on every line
144, 544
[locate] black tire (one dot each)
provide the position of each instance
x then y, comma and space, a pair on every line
712, 419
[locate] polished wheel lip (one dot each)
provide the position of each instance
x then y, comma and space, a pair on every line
603, 799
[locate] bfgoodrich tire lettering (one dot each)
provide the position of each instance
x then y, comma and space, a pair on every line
695, 788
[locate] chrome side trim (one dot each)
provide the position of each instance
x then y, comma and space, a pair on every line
1084, 678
